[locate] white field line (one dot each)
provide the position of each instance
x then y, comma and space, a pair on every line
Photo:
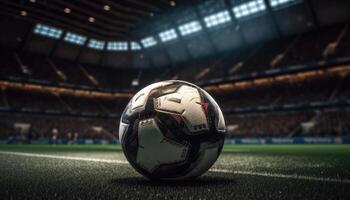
286, 176
273, 175
63, 157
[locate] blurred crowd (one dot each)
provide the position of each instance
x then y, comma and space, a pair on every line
285, 124
25, 127
37, 100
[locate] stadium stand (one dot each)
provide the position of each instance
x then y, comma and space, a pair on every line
109, 78
27, 99
33, 100
334, 122
328, 123
286, 123
309, 47
296, 50
26, 127
274, 87
38, 67
70, 73
303, 90
271, 124
42, 69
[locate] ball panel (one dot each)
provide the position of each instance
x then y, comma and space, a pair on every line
130, 144
187, 102
209, 154
123, 127
154, 149
140, 98
220, 123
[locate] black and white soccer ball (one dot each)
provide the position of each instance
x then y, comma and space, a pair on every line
172, 130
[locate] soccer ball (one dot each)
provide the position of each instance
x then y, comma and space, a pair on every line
172, 130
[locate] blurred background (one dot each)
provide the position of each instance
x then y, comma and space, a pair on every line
279, 69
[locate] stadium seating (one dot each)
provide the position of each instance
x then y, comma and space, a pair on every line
326, 43
112, 78
71, 73
291, 92
333, 122
272, 124
300, 49
284, 123
295, 50
310, 46
325, 123
37, 100
30, 100
56, 71
44, 127
39, 67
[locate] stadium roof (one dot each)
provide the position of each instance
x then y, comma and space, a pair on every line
105, 18
157, 33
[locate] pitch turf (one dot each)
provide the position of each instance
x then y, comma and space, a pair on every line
241, 172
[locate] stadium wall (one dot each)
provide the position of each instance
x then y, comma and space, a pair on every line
262, 140
291, 140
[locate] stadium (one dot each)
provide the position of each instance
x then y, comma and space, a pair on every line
278, 69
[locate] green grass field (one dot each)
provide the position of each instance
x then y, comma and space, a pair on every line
241, 172
304, 149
